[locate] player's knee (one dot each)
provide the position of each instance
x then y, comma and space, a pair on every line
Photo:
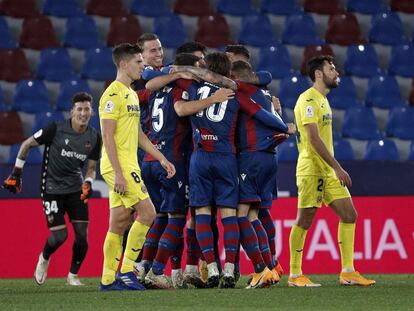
59, 236
304, 222
350, 217
147, 217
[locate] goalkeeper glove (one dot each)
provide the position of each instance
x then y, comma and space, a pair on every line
13, 183
86, 191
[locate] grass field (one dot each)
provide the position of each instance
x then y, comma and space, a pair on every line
392, 292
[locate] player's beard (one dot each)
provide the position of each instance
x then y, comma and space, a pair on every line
330, 83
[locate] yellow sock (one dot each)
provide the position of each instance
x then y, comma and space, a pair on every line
296, 242
112, 255
346, 237
136, 239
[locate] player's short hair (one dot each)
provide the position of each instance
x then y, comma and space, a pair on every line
316, 63
81, 97
191, 47
186, 59
238, 49
241, 66
146, 37
218, 62
124, 51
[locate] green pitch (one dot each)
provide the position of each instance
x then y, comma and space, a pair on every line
392, 292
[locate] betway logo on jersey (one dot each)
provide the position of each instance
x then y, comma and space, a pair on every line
209, 137
73, 154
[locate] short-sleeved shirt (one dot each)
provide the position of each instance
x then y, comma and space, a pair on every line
313, 107
120, 103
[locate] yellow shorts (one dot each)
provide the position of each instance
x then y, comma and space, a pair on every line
313, 190
135, 190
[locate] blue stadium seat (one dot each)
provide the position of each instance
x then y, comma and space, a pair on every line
383, 92
290, 89
34, 157
366, 6
411, 154
401, 60
55, 65
387, 28
6, 40
95, 123
381, 150
98, 65
31, 97
280, 7
256, 30
360, 123
62, 8
361, 61
170, 29
67, 90
276, 60
81, 33
343, 150
344, 96
288, 151
146, 8
42, 119
300, 29
401, 123
236, 8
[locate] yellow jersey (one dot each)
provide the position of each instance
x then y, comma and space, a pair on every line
313, 107
121, 103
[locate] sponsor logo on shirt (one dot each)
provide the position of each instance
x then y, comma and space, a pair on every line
73, 154
209, 137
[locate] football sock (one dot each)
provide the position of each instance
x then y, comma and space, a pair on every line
216, 235
136, 238
205, 237
193, 249
346, 237
54, 241
80, 246
248, 240
267, 223
153, 237
177, 254
231, 237
296, 243
112, 256
263, 243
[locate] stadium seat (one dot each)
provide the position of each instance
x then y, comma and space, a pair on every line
276, 60
411, 95
42, 119
383, 92
14, 65
81, 33
411, 154
322, 7
290, 89
31, 97
11, 128
146, 8
366, 6
170, 29
105, 8
236, 8
345, 95
55, 65
67, 90
123, 29
280, 7
19, 9
311, 51
288, 151
6, 40
401, 123
361, 61
381, 150
360, 123
62, 8
98, 65
293, 32
343, 29
401, 60
95, 122
343, 150
34, 156
403, 6
256, 30
213, 31
192, 8
37, 33
387, 28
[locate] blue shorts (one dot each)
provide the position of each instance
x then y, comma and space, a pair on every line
213, 179
168, 195
257, 178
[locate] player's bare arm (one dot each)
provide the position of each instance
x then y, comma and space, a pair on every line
320, 148
89, 178
186, 108
276, 105
25, 148
108, 131
159, 82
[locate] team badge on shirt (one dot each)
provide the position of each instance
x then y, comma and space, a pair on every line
184, 95
144, 189
109, 106
309, 111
